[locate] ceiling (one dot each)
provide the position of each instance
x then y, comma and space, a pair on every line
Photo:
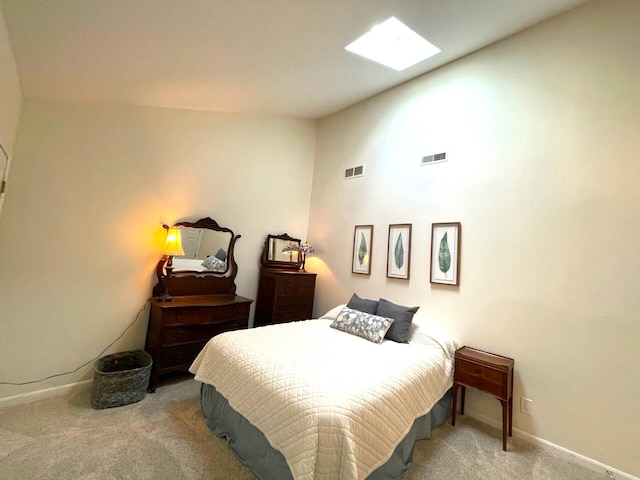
281, 57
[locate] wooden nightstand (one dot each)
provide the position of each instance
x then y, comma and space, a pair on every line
488, 373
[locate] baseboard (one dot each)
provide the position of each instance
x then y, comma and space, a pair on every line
557, 450
44, 393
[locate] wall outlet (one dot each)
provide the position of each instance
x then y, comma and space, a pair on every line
526, 405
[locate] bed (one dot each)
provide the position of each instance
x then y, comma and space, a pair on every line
209, 264
303, 400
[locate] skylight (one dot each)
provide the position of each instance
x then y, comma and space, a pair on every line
394, 45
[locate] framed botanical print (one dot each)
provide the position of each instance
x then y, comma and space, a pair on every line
399, 251
445, 253
362, 242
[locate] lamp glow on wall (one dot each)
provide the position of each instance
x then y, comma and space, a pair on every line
172, 247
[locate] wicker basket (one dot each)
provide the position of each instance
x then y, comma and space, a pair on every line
120, 379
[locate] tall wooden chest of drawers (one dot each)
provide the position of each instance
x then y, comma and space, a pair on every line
284, 295
178, 330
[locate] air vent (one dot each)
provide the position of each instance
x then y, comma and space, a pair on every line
435, 158
353, 172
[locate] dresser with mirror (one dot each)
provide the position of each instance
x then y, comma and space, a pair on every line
285, 290
195, 297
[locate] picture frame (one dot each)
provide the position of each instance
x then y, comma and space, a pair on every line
362, 246
399, 251
445, 253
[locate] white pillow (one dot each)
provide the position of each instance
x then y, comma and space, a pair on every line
334, 312
426, 331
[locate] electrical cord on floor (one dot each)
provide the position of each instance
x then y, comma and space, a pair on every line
86, 363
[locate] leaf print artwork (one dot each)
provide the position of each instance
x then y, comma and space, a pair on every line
444, 255
399, 252
362, 251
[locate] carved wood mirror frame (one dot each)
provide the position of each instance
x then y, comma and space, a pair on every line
273, 247
186, 282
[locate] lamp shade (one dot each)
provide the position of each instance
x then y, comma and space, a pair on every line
306, 248
173, 243
290, 248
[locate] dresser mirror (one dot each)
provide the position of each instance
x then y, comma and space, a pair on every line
208, 266
280, 252
205, 250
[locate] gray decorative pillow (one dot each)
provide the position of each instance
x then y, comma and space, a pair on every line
402, 317
214, 264
363, 304
221, 255
365, 325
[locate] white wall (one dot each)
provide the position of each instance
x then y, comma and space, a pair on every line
81, 229
10, 100
542, 132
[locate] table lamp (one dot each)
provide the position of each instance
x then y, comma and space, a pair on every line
172, 247
290, 248
304, 249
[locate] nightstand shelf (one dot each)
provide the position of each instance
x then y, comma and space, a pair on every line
487, 373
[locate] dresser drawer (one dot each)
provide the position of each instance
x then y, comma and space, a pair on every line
295, 304
204, 315
197, 332
178, 355
289, 314
179, 330
481, 377
289, 289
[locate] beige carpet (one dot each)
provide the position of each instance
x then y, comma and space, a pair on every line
164, 437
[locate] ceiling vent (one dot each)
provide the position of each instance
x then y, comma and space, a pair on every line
354, 172
434, 158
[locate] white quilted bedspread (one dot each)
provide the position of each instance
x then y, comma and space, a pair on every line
335, 405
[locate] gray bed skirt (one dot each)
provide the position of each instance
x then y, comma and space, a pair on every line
252, 448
